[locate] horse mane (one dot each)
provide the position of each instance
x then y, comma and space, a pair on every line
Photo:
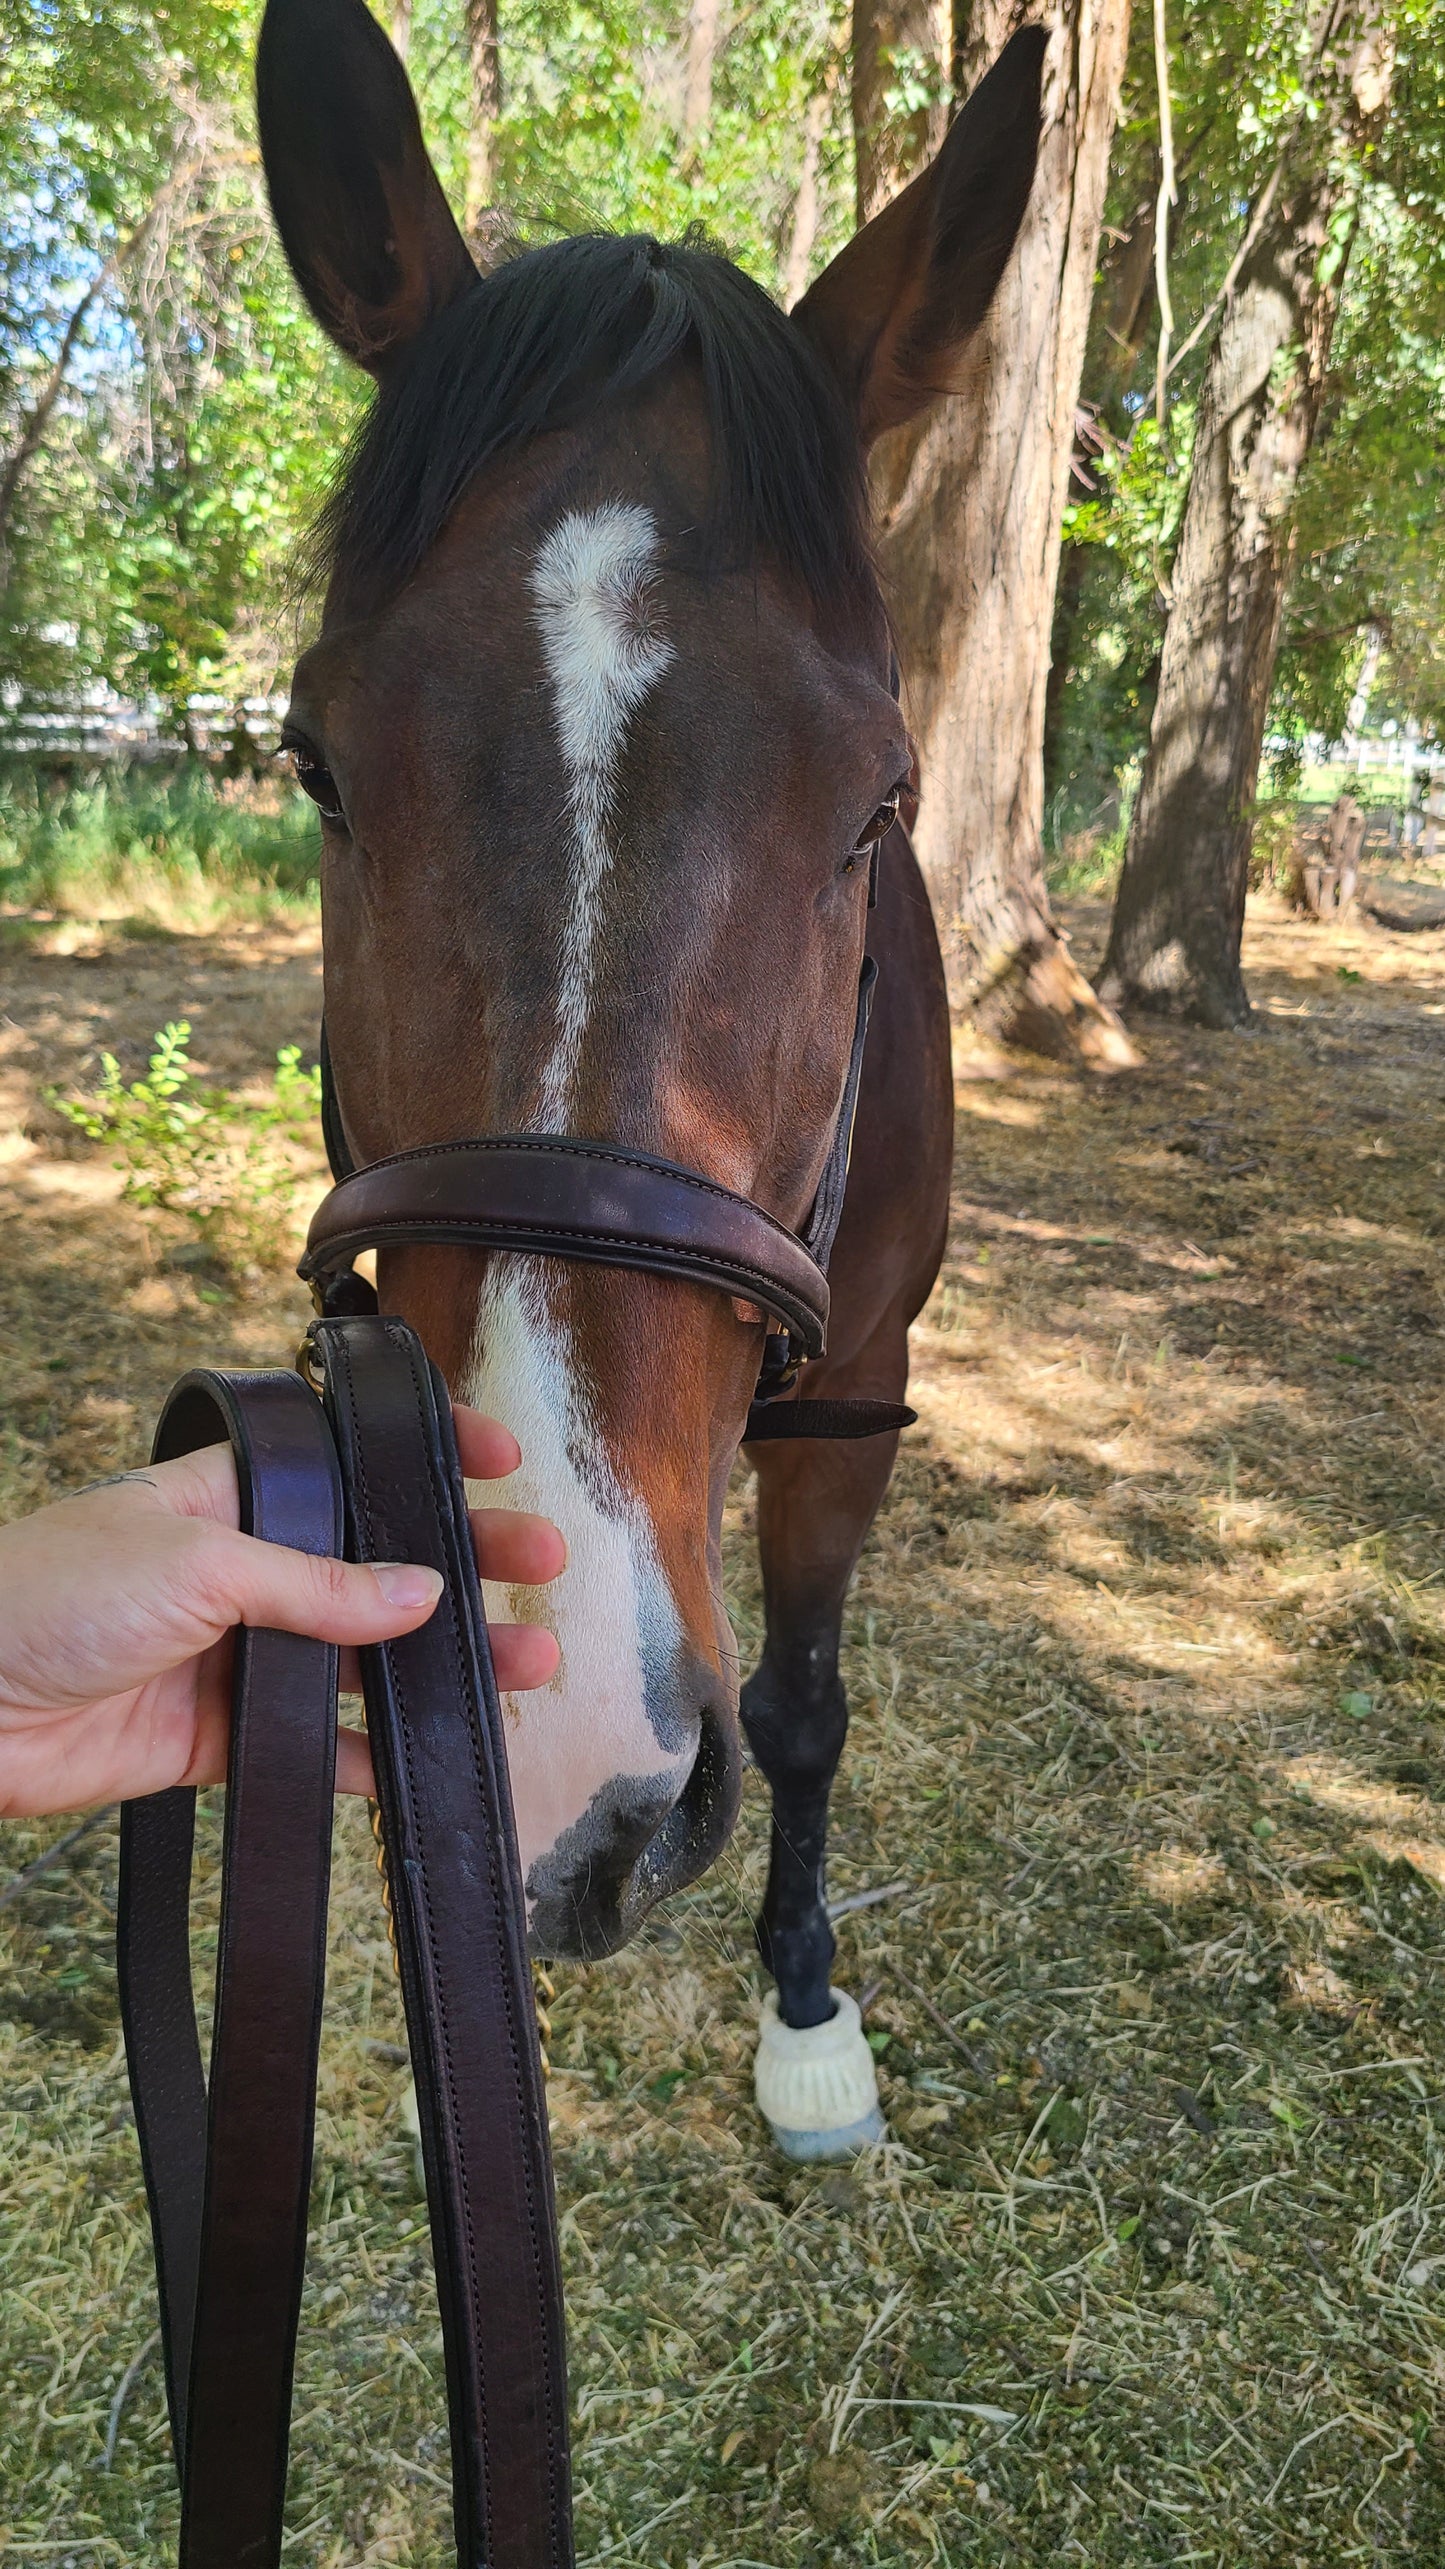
548, 338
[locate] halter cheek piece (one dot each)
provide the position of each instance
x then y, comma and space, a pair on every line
600, 1204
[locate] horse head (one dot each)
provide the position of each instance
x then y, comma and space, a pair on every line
600, 727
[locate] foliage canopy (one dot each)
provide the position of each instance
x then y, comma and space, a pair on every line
1367, 597
199, 411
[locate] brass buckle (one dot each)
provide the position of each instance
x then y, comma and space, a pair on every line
309, 1367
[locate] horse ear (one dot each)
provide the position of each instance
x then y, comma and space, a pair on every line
895, 310
371, 239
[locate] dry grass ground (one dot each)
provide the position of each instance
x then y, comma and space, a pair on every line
1146, 1662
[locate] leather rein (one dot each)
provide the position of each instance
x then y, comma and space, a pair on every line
368, 1467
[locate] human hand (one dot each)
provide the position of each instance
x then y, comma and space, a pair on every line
118, 1606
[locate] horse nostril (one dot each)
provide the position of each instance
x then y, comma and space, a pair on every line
701, 1819
708, 1802
592, 1892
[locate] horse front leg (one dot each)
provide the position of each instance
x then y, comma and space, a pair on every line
815, 2077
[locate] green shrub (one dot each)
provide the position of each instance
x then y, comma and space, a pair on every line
226, 1163
1274, 860
1086, 862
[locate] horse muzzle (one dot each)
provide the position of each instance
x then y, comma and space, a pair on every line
636, 1844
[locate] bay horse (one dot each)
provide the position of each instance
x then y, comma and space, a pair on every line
603, 729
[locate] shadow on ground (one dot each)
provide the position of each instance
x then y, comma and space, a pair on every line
1146, 1662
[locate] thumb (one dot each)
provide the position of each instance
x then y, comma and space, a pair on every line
307, 1592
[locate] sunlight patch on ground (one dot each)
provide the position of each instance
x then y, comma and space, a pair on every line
1341, 1788
1024, 1114
1180, 1875
1318, 1985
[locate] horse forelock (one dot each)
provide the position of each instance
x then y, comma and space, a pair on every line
552, 338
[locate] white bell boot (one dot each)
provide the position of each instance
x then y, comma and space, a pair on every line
816, 2085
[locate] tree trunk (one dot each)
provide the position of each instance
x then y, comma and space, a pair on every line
1123, 309
1126, 283
901, 48
803, 230
1068, 604
401, 26
484, 106
702, 42
1179, 913
969, 509
1364, 686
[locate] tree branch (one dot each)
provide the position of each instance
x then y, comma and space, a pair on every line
1161, 214
33, 433
1252, 231
1325, 28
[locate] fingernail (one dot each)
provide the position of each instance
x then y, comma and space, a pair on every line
407, 1583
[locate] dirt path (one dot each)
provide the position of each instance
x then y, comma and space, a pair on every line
101, 1306
1146, 1661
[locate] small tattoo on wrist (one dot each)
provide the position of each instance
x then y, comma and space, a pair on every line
112, 1481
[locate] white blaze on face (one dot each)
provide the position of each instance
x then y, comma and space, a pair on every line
612, 1608
570, 1744
592, 584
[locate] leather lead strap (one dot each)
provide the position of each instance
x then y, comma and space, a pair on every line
228, 2165
436, 1737
228, 2168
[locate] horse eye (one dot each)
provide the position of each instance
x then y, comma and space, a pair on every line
881, 822
314, 779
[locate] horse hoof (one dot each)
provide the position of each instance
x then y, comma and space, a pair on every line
816, 2085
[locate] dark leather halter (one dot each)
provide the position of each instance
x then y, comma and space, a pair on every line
371, 1463
602, 1204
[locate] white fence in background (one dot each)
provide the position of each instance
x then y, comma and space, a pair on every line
100, 725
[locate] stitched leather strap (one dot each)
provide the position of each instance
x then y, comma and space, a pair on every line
228, 2168
436, 1738
606, 1206
818, 1232
598, 1201
773, 1422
